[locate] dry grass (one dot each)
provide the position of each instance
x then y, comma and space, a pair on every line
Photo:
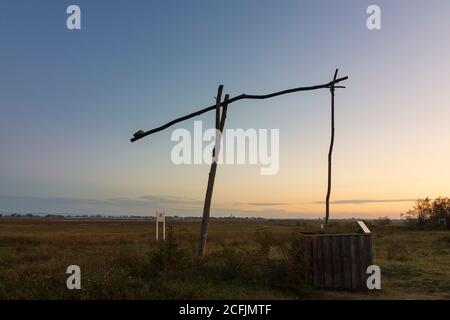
246, 259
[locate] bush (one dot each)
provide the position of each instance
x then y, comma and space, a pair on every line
441, 212
168, 256
384, 221
434, 213
264, 239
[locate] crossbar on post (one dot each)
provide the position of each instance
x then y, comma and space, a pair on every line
141, 134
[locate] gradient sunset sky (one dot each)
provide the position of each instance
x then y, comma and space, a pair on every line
70, 101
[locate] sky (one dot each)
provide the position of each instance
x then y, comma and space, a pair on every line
70, 100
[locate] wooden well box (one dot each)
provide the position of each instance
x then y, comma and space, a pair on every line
336, 260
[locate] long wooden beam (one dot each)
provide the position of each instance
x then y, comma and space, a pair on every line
141, 134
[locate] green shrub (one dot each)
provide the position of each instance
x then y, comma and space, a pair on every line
432, 213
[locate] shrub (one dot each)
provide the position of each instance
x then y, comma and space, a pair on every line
420, 213
434, 213
384, 221
264, 239
441, 212
168, 256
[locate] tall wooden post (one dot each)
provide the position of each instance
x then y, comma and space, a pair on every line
220, 123
330, 154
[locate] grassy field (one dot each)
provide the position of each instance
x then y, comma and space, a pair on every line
247, 259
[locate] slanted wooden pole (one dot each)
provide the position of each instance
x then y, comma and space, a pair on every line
220, 123
330, 154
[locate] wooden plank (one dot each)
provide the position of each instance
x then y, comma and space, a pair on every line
337, 262
309, 255
304, 258
363, 227
369, 250
346, 265
315, 269
324, 258
364, 260
334, 234
327, 262
320, 269
354, 244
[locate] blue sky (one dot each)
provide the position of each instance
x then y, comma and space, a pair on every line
70, 101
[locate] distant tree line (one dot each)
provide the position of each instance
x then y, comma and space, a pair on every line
99, 216
430, 213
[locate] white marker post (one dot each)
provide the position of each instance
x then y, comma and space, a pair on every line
161, 217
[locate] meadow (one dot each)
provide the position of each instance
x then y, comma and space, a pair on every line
246, 259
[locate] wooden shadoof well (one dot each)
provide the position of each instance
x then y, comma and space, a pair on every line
221, 108
329, 260
336, 260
